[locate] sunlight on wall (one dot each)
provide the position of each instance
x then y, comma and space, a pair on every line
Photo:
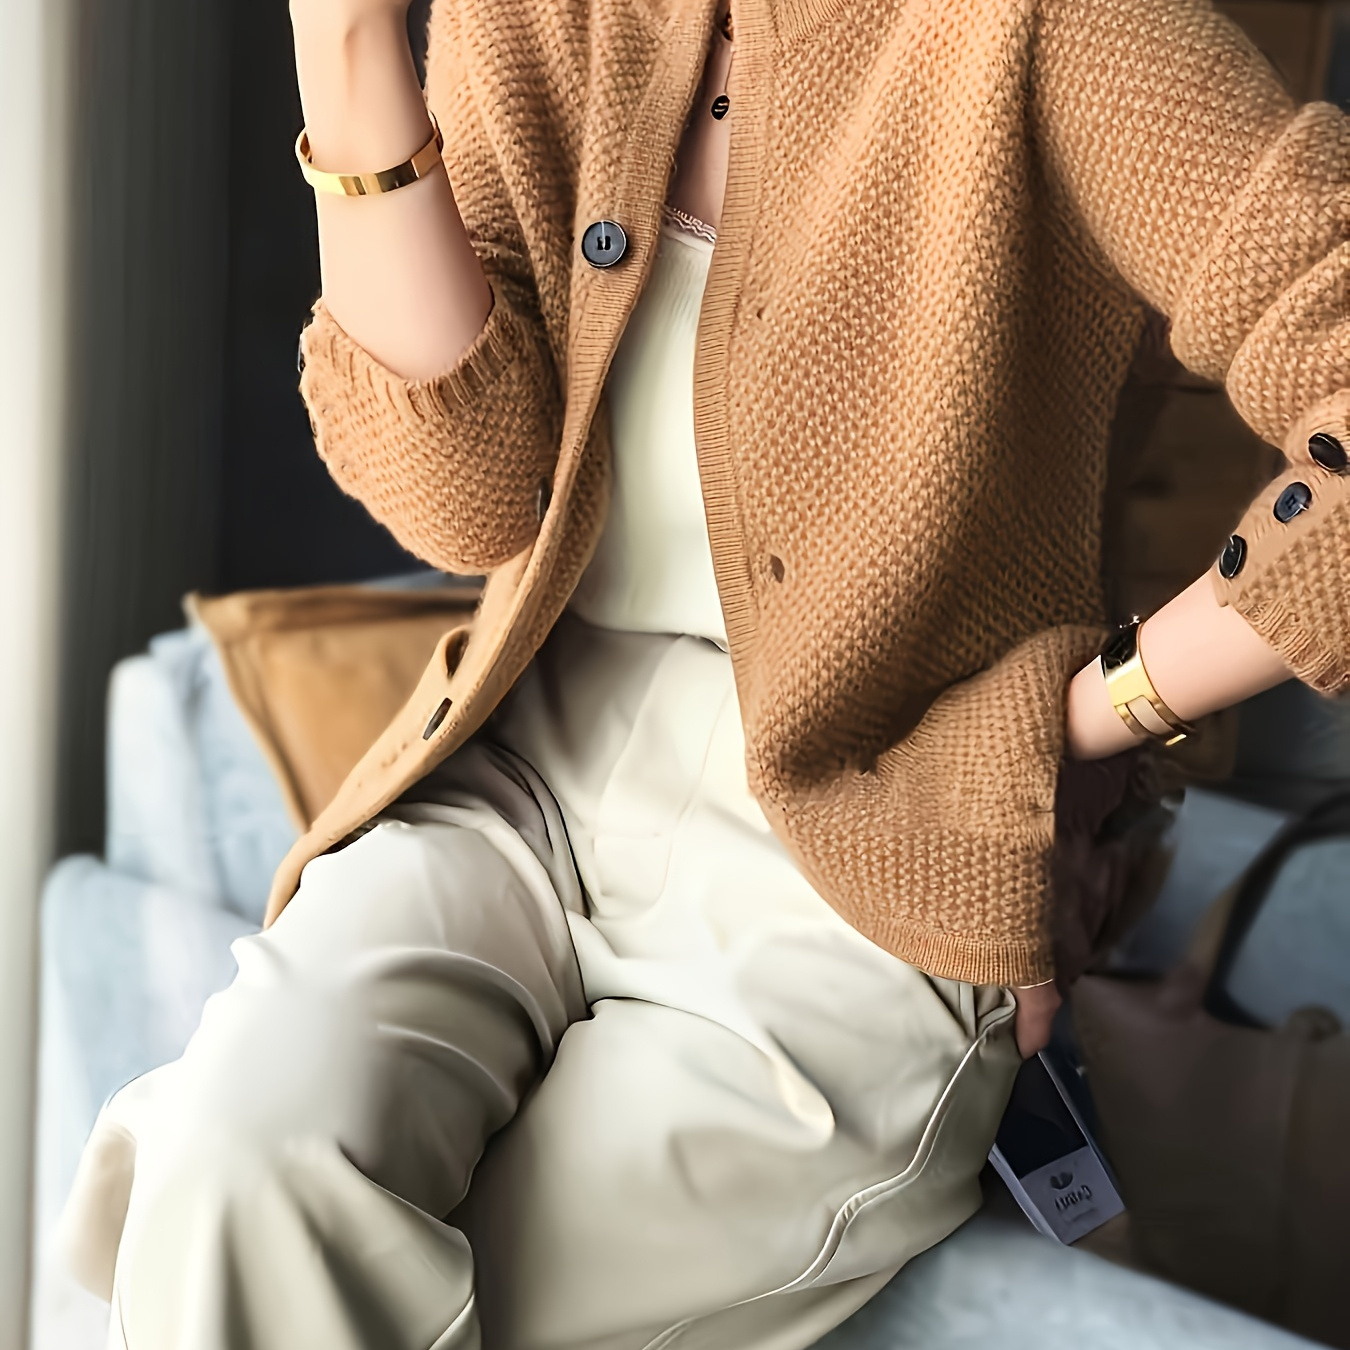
33, 139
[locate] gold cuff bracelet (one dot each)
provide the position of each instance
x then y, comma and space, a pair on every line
1131, 691
370, 184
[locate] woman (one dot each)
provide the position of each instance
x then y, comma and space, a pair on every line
763, 358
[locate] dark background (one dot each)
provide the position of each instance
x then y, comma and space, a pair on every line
283, 523
196, 263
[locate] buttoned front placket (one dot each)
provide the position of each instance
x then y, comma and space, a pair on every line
749, 84
615, 246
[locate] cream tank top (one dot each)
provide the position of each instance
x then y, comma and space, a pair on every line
652, 569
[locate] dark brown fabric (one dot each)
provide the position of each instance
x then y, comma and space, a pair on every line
1109, 860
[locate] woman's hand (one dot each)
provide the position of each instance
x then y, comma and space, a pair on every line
1036, 1009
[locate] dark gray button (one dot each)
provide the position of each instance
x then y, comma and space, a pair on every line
437, 718
300, 354
604, 243
1233, 556
1328, 452
542, 497
1293, 501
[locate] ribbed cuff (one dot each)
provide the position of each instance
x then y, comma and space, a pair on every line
369, 389
1289, 568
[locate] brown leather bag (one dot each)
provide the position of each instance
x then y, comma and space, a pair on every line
1231, 1140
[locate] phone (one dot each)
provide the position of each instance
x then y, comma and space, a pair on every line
1049, 1160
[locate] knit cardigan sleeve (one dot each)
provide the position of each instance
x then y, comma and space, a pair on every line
1176, 151
455, 465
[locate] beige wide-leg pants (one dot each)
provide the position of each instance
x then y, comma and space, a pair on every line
565, 1053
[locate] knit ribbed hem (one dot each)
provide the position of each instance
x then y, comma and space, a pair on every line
910, 901
953, 957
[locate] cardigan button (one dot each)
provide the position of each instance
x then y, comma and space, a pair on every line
1293, 501
300, 354
604, 243
1233, 556
1328, 452
439, 716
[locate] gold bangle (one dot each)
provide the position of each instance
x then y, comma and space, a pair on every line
1128, 685
370, 184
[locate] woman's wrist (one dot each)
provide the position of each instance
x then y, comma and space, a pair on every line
1200, 656
1203, 656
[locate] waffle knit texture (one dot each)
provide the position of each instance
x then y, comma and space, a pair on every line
942, 220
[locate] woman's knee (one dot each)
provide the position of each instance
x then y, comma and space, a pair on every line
158, 1183
405, 1071
232, 1241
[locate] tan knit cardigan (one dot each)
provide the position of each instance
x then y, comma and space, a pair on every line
942, 218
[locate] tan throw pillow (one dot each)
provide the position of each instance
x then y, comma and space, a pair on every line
318, 672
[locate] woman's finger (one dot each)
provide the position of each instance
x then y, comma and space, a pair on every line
1036, 1009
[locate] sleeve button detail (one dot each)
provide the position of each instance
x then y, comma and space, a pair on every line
1293, 501
1233, 556
1327, 451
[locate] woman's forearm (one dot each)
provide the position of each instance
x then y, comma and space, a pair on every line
1200, 655
399, 273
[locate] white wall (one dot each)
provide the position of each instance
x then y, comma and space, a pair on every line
33, 301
